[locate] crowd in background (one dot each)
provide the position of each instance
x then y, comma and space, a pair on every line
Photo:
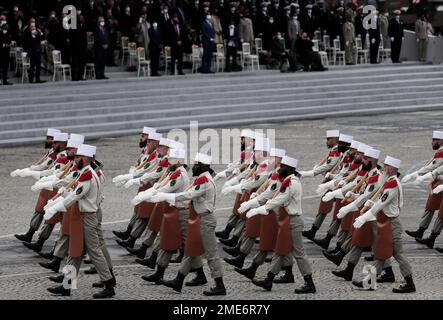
285, 27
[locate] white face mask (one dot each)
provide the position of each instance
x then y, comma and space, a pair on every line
165, 10
309, 11
3, 22
208, 17
32, 24
155, 25
102, 23
79, 12
5, 31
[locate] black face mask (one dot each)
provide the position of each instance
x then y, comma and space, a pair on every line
143, 144
367, 167
80, 164
435, 146
197, 170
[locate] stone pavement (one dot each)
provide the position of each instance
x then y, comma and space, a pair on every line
406, 136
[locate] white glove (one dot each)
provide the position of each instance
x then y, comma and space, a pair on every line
337, 194
236, 171
61, 190
351, 195
341, 183
228, 190
52, 177
34, 174
325, 186
15, 173
221, 174
254, 212
58, 206
143, 196
328, 175
231, 182
427, 177
132, 182
161, 196
411, 176
24, 172
392, 39
122, 177
438, 189
346, 209
48, 185
418, 40
369, 203
132, 169
361, 220
248, 205
253, 195
307, 174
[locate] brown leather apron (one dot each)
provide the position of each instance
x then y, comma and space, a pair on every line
346, 222
237, 204
43, 198
283, 246
325, 207
384, 241
144, 209
170, 230
66, 223
338, 206
244, 197
76, 236
253, 226
268, 232
363, 237
434, 200
155, 221
194, 244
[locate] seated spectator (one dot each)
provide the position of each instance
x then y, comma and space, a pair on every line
310, 59
278, 51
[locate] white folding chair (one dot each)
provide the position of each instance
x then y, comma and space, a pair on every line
383, 53
89, 71
125, 48
59, 67
362, 54
339, 55
327, 45
143, 64
18, 59
132, 47
258, 42
220, 57
248, 58
323, 54
25, 65
196, 58
167, 58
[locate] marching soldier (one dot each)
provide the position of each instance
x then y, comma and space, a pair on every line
438, 190
289, 241
386, 211
328, 163
87, 196
58, 146
200, 237
434, 200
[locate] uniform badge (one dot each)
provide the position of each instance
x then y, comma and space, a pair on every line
75, 174
374, 173
147, 165
172, 183
257, 177
329, 161
385, 196
371, 188
434, 162
274, 186
57, 167
159, 169
79, 190
197, 187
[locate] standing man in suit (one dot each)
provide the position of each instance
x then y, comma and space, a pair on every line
233, 44
374, 41
101, 44
155, 43
395, 32
5, 47
177, 39
32, 39
208, 35
79, 47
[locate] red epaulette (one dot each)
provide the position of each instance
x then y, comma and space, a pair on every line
361, 173
175, 175
74, 168
200, 180
391, 184
242, 155
373, 179
63, 160
53, 155
334, 153
285, 184
152, 156
262, 168
85, 176
275, 176
353, 166
164, 163
346, 159
438, 155
99, 173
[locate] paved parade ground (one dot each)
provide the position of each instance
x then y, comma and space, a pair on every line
405, 136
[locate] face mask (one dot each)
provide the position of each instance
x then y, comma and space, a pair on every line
32, 24
53, 16
155, 25
5, 31
165, 10
309, 11
232, 10
208, 17
3, 22
15, 10
102, 23
271, 21
79, 12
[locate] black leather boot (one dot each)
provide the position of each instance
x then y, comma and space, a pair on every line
199, 280
429, 242
238, 261
324, 243
57, 279
308, 287
53, 265
233, 251
336, 258
347, 273
310, 234
179, 258
152, 260
60, 290
406, 287
140, 252
47, 255
386, 276
124, 235
107, 292
35, 246
230, 242
156, 276
336, 249
26, 237
416, 234
266, 283
248, 272
129, 243
176, 284
225, 233
287, 277
218, 290
369, 258
101, 284
91, 270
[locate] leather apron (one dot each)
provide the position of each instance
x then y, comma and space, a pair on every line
283, 246
434, 200
43, 198
384, 241
144, 209
194, 244
170, 230
268, 232
76, 231
155, 221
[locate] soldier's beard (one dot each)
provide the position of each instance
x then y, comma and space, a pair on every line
284, 172
142, 144
48, 145
435, 146
80, 164
70, 157
173, 167
58, 149
367, 167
